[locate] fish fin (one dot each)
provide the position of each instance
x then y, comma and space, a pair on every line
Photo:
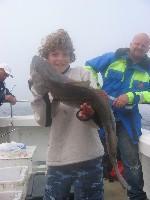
102, 93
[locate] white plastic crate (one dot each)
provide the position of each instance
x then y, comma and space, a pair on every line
18, 158
14, 178
146, 174
12, 195
144, 147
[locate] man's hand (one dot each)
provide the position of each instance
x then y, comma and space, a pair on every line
85, 112
121, 101
11, 99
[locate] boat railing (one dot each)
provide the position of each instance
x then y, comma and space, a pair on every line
6, 130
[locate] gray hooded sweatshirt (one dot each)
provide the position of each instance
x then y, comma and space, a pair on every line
70, 140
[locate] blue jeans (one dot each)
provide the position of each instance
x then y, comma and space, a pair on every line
132, 165
86, 177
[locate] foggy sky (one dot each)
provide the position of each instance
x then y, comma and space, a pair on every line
95, 26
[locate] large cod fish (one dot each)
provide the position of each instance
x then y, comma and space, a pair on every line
45, 78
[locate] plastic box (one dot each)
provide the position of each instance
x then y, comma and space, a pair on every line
13, 195
18, 158
144, 147
14, 179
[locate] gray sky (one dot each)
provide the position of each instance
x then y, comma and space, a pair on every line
95, 26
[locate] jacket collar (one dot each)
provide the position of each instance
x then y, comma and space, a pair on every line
143, 65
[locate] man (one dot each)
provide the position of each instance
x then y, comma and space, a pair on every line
70, 161
5, 95
125, 73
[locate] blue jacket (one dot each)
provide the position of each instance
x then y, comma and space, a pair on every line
121, 75
3, 91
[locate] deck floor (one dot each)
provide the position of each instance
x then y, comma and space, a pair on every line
114, 191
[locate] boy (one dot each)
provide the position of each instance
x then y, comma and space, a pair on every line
74, 150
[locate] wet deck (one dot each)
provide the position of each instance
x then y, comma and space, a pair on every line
114, 191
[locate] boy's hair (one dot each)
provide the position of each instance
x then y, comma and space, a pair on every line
59, 40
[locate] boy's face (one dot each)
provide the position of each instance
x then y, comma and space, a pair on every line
59, 59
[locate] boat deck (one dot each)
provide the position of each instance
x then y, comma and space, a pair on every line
114, 191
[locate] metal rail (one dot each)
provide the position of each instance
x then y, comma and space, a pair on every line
12, 127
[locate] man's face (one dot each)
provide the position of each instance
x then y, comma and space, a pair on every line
139, 47
3, 74
59, 59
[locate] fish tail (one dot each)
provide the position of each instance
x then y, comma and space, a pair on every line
121, 179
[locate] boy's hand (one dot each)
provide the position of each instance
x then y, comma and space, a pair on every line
86, 112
